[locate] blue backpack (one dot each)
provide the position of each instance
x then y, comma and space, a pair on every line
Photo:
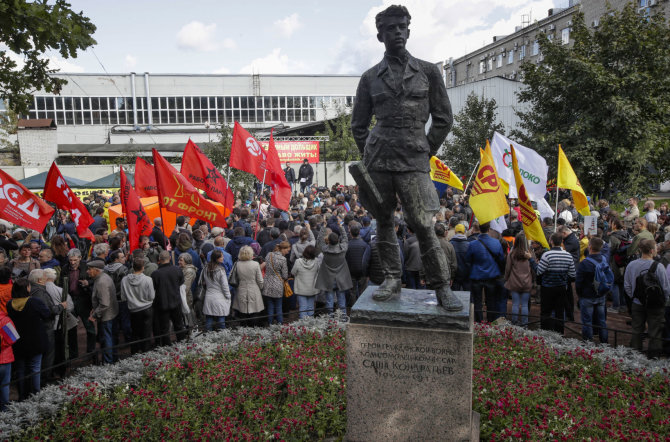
603, 279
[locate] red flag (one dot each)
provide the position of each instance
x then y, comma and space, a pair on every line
281, 190
200, 172
145, 178
22, 207
138, 221
57, 191
247, 154
177, 195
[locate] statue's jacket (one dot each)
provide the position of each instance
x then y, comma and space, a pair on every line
398, 142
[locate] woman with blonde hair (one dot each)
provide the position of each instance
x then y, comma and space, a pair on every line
276, 272
248, 300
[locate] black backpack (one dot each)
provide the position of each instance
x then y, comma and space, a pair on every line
648, 289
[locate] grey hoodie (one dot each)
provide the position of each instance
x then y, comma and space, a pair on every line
305, 271
138, 290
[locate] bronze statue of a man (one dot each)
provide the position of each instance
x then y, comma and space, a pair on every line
402, 92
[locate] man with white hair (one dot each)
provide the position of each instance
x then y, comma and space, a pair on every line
100, 251
38, 290
652, 214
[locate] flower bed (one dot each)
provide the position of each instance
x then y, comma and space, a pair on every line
289, 383
531, 387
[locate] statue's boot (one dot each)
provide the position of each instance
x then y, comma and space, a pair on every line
437, 276
388, 289
389, 253
448, 300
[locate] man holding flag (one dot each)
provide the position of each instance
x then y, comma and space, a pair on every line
485, 255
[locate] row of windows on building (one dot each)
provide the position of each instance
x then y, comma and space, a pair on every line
520, 52
183, 110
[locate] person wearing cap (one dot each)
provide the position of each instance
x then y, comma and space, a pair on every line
461, 244
305, 175
104, 307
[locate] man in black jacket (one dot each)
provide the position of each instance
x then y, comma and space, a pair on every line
358, 259
571, 245
157, 234
289, 173
305, 175
167, 304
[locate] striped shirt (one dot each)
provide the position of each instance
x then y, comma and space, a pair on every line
556, 267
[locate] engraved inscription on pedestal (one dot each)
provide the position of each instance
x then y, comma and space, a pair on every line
419, 362
405, 382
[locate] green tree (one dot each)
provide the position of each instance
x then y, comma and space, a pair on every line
219, 155
342, 146
8, 127
606, 100
29, 29
473, 125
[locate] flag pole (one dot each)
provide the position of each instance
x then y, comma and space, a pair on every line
556, 211
258, 212
160, 207
558, 166
471, 175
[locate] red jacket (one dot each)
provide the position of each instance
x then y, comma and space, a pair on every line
6, 340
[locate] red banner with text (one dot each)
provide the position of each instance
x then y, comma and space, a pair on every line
295, 151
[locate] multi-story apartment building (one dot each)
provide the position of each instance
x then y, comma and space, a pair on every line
505, 55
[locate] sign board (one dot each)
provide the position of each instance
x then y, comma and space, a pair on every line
590, 225
295, 151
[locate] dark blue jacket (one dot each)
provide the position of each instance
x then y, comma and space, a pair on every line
194, 255
483, 264
585, 274
358, 257
233, 247
461, 246
227, 259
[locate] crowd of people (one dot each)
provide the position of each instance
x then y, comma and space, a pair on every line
316, 258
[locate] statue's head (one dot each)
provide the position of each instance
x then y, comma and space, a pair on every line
393, 27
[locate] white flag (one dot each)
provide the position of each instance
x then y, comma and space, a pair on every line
544, 208
532, 166
499, 224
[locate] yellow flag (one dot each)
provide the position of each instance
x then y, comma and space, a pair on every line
531, 224
487, 198
441, 174
568, 180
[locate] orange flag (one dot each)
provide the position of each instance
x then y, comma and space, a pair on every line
177, 195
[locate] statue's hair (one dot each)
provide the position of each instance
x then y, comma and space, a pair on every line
392, 11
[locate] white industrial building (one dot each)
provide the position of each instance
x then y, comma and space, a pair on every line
103, 115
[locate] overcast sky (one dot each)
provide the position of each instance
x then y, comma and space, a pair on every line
282, 37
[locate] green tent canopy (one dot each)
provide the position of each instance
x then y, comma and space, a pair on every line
111, 181
36, 182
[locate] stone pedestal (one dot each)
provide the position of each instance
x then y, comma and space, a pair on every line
409, 370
